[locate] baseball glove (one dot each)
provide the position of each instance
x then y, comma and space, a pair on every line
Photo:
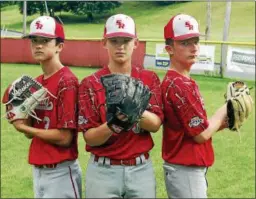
126, 100
22, 97
239, 104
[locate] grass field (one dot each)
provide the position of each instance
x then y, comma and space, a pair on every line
232, 175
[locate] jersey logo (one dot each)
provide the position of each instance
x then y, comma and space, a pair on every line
195, 121
120, 24
189, 25
10, 115
45, 105
82, 120
39, 25
116, 128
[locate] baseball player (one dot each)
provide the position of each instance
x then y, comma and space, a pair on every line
120, 165
53, 151
187, 132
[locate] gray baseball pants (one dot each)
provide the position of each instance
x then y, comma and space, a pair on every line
185, 181
64, 181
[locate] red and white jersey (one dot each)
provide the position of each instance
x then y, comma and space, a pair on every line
92, 113
185, 117
60, 113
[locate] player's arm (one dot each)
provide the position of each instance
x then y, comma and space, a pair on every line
61, 137
97, 136
216, 122
152, 118
95, 133
150, 122
28, 122
62, 134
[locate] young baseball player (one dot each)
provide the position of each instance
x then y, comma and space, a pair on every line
187, 145
119, 166
53, 151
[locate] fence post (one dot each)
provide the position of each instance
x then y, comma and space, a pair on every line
24, 17
225, 37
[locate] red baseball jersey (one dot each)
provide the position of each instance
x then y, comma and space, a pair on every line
185, 117
92, 113
60, 113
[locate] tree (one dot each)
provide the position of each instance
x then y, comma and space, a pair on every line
90, 8
87, 8
164, 3
7, 3
34, 7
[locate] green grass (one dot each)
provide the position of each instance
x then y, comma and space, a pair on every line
232, 175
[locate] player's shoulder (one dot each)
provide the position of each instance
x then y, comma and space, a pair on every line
67, 78
66, 73
94, 78
146, 73
174, 77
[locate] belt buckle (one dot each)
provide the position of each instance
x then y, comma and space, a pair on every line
126, 163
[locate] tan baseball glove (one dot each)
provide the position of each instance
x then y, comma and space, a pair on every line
239, 104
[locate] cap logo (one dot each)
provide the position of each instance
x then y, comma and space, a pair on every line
190, 26
39, 25
120, 24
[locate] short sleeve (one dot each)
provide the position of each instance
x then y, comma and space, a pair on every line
188, 106
156, 105
88, 113
67, 103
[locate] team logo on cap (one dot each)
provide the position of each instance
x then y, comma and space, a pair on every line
120, 24
39, 25
189, 25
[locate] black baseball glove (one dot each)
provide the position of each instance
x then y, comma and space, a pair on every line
126, 99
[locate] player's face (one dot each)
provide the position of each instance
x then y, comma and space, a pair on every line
120, 49
185, 52
44, 49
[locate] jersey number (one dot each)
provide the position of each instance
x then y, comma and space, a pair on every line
47, 122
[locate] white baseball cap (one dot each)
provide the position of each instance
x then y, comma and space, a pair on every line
46, 26
181, 27
120, 25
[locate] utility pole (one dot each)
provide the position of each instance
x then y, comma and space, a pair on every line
208, 21
24, 17
46, 8
224, 47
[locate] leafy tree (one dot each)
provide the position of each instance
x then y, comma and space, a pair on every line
34, 7
87, 8
7, 3
164, 3
90, 8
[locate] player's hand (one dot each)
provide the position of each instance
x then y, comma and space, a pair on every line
20, 125
224, 124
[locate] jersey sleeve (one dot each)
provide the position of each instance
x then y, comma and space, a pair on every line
156, 105
188, 107
88, 114
67, 103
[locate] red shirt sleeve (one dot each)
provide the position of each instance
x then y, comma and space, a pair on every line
67, 103
156, 105
188, 106
88, 114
